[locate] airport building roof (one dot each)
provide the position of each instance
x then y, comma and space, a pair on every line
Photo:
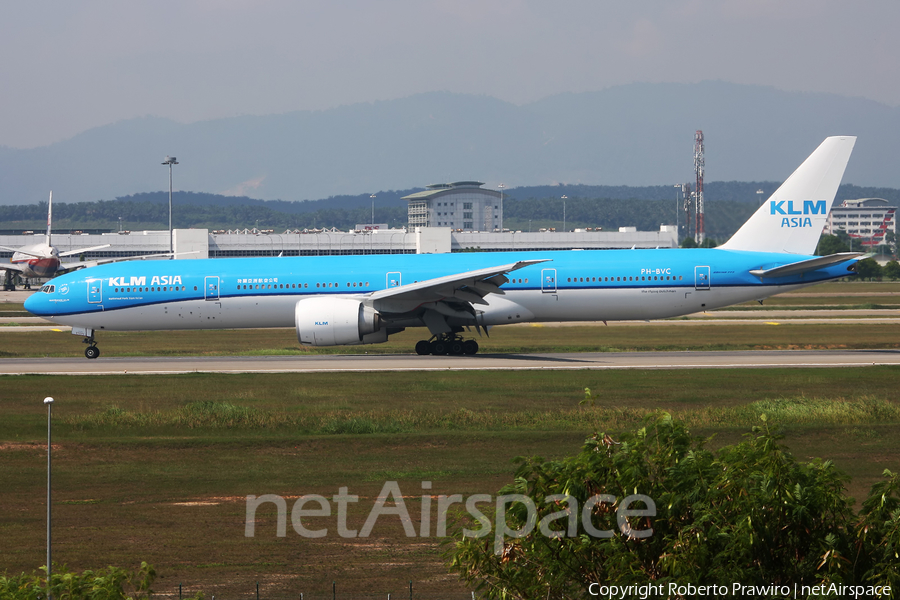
201, 243
436, 189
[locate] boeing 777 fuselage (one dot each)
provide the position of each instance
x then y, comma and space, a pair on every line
337, 300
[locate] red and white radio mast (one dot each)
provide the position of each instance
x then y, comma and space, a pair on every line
698, 169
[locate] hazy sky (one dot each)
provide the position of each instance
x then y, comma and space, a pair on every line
71, 65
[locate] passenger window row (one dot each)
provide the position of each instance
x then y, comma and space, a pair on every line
297, 286
167, 288
643, 278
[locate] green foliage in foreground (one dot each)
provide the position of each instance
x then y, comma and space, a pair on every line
748, 513
111, 583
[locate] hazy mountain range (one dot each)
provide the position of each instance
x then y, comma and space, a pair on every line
636, 135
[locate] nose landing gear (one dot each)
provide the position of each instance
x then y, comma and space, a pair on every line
92, 351
447, 343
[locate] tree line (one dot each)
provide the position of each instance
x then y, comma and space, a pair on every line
728, 205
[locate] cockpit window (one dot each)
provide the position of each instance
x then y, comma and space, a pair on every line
48, 289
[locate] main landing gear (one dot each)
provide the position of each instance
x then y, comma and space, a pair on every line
9, 281
446, 343
92, 351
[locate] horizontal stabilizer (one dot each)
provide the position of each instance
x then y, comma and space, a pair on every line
805, 266
20, 251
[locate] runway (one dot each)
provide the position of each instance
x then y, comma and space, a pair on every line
361, 363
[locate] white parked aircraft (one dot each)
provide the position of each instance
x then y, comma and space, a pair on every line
43, 260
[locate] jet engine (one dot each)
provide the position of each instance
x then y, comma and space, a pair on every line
327, 321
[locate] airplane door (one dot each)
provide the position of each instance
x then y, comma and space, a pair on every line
393, 279
211, 288
548, 281
95, 291
701, 278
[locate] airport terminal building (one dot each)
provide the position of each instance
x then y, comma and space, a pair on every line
866, 219
461, 206
461, 216
202, 243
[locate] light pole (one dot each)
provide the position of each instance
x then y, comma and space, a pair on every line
170, 160
49, 402
373, 209
676, 186
564, 198
501, 186
759, 194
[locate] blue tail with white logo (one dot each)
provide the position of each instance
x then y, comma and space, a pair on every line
792, 219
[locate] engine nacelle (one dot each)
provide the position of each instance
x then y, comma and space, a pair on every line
324, 321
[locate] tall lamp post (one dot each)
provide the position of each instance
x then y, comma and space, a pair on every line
677, 185
373, 209
759, 194
564, 198
170, 160
501, 186
49, 402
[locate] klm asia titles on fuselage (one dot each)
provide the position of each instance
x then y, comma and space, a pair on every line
155, 280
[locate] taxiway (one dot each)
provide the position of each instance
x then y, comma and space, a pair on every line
376, 363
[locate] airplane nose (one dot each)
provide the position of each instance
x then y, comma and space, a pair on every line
34, 305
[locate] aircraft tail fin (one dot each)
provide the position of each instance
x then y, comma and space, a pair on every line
792, 219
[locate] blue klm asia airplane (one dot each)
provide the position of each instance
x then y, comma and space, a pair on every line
339, 300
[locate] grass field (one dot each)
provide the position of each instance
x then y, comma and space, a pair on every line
158, 468
507, 339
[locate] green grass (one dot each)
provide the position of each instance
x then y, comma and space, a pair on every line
157, 468
780, 303
506, 339
851, 286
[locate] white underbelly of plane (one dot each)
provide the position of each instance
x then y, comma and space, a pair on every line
619, 304
228, 313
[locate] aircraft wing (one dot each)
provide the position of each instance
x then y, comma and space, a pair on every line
806, 265
39, 255
460, 289
80, 250
12, 267
72, 266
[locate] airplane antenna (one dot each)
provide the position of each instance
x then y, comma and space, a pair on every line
699, 164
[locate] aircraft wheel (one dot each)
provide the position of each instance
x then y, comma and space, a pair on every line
470, 347
92, 352
438, 348
456, 347
423, 347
